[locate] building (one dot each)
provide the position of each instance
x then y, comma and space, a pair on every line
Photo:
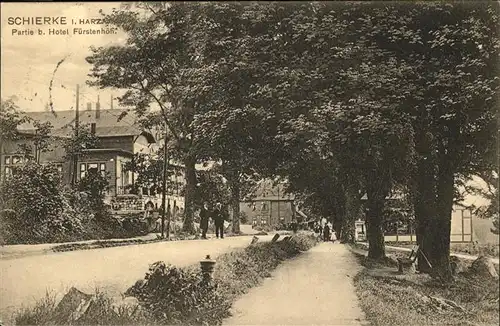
120, 137
400, 225
271, 206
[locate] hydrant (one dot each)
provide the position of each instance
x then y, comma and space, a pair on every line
207, 268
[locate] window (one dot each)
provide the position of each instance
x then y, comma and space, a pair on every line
98, 167
10, 161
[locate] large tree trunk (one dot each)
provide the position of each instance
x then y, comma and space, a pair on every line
375, 223
189, 196
338, 217
352, 205
441, 224
424, 207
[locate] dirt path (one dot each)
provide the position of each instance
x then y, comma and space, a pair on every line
316, 288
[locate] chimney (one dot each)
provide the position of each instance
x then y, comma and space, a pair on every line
97, 108
89, 106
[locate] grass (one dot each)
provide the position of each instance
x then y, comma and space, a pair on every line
236, 272
103, 312
473, 249
411, 300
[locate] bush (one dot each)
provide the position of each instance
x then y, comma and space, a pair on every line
176, 296
179, 295
36, 208
33, 202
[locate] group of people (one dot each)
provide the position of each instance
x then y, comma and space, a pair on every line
326, 232
218, 216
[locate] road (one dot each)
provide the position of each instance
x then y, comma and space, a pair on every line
25, 280
315, 288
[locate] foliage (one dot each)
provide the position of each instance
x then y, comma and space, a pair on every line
490, 211
179, 296
95, 185
37, 208
244, 219
41, 141
379, 97
10, 119
211, 188
149, 171
80, 140
155, 67
35, 199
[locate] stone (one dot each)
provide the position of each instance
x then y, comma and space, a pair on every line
457, 265
391, 261
483, 266
73, 305
406, 266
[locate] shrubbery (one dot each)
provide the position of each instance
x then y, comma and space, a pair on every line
179, 295
36, 208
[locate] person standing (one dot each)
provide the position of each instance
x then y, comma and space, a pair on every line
326, 233
218, 217
204, 217
334, 235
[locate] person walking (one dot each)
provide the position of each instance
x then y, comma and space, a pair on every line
334, 236
326, 233
204, 217
218, 217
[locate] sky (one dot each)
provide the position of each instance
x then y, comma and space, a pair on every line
28, 61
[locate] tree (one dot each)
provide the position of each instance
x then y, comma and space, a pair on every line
211, 188
156, 66
149, 172
297, 90
76, 144
41, 140
449, 55
95, 185
10, 119
36, 197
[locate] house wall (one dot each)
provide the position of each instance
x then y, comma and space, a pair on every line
54, 154
121, 142
109, 159
268, 212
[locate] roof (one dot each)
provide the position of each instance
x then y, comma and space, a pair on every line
111, 123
